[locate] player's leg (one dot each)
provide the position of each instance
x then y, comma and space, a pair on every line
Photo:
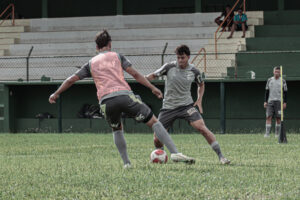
269, 114
200, 126
193, 116
166, 117
277, 107
112, 112
163, 136
142, 113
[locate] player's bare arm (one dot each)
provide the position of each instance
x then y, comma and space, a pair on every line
142, 80
64, 86
150, 77
201, 89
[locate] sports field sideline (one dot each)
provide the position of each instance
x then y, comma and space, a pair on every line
88, 166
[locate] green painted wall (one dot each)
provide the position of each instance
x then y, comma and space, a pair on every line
243, 101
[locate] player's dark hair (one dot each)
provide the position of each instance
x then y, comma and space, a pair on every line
276, 68
102, 39
183, 49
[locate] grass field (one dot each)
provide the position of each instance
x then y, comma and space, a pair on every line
88, 166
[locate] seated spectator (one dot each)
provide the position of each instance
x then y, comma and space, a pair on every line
229, 21
239, 23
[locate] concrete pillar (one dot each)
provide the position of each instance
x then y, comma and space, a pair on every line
119, 7
44, 8
198, 6
280, 4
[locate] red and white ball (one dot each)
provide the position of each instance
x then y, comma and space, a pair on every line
158, 156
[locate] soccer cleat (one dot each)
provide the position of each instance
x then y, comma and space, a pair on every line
179, 157
224, 161
267, 135
127, 166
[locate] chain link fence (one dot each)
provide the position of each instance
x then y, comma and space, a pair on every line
228, 66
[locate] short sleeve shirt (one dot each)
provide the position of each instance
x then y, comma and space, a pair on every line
274, 87
178, 84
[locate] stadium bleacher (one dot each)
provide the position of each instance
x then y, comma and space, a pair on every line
136, 35
280, 33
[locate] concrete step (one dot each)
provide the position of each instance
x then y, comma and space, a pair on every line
238, 34
214, 63
133, 47
215, 75
226, 48
224, 56
120, 34
132, 21
123, 21
9, 35
12, 29
229, 41
2, 52
18, 22
255, 21
7, 41
4, 46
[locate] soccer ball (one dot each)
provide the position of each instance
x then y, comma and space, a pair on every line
158, 156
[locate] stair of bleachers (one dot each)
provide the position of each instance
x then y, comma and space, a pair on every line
281, 33
132, 35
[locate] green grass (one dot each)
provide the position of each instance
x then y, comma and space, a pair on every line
88, 166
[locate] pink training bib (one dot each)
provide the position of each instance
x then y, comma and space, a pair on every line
107, 73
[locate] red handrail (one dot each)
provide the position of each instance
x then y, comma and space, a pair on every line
12, 14
203, 58
217, 38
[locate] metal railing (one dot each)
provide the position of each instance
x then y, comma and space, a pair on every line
245, 65
227, 16
201, 58
11, 13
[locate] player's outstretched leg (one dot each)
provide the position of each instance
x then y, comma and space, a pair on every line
157, 143
165, 138
210, 138
122, 147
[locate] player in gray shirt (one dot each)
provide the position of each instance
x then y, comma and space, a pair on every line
273, 101
178, 102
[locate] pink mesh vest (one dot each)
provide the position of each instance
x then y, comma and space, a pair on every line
107, 73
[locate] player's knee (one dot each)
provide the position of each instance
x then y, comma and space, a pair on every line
201, 128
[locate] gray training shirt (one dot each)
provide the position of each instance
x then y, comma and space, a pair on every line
274, 87
178, 84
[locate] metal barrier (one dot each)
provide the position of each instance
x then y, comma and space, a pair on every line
58, 68
11, 13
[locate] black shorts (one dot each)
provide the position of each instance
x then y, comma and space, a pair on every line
226, 23
168, 116
112, 109
239, 28
274, 109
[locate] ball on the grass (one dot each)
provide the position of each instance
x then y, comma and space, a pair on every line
158, 156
